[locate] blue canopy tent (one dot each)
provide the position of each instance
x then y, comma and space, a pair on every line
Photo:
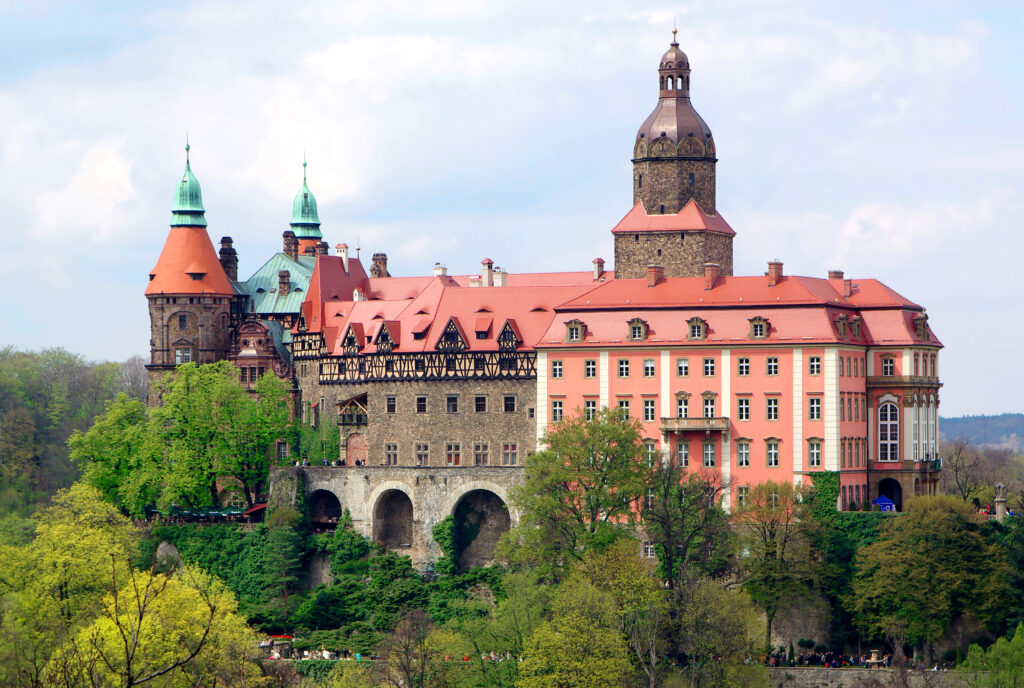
884, 503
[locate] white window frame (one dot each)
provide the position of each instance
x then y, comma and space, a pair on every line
682, 367
771, 408
709, 367
814, 365
649, 368
771, 453
557, 410
557, 369
590, 368
814, 408
771, 366
742, 408
648, 410
743, 366
709, 454
743, 454
623, 367
814, 453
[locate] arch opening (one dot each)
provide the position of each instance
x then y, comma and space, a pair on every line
324, 510
481, 518
392, 520
891, 488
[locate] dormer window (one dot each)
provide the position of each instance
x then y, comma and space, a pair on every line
698, 328
758, 328
841, 325
574, 331
855, 323
921, 325
637, 330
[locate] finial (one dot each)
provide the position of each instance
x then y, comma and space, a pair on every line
303, 166
674, 32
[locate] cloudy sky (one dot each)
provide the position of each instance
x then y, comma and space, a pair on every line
885, 141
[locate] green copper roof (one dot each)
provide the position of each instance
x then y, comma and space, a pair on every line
305, 221
188, 210
262, 287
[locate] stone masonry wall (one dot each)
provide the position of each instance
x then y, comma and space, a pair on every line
681, 254
666, 182
819, 677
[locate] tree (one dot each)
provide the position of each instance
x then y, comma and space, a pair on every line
961, 468
133, 378
282, 564
928, 567
570, 652
1000, 666
413, 656
585, 486
772, 525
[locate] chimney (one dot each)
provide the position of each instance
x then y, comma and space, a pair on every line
291, 244
847, 288
321, 248
440, 270
310, 250
379, 265
774, 272
342, 251
487, 273
598, 268
711, 273
229, 258
499, 277
835, 278
284, 284
655, 273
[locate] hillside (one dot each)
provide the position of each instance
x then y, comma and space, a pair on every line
1005, 430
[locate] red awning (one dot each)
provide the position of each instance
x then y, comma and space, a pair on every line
258, 507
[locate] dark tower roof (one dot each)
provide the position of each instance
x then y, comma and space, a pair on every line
674, 115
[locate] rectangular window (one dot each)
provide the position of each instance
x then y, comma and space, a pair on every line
556, 410
683, 367
421, 404
480, 452
842, 454
391, 454
841, 366
510, 404
623, 367
624, 405
184, 355
243, 374
452, 454
589, 368
480, 404
772, 454
814, 454
696, 330
282, 450
682, 408
743, 409
842, 408
743, 454
709, 367
574, 333
683, 454
648, 367
814, 408
182, 322
589, 409
709, 455
648, 410
420, 365
814, 365
709, 407
556, 369
648, 550
509, 453
772, 408
389, 404
757, 330
772, 365
743, 366
651, 453
422, 454
741, 495
888, 367
636, 332
451, 404
856, 367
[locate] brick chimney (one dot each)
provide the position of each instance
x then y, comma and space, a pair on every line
774, 272
440, 270
655, 273
487, 273
499, 277
711, 273
342, 251
321, 248
379, 265
284, 284
310, 250
843, 286
598, 268
229, 258
291, 244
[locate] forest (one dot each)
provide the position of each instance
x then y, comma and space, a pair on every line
92, 595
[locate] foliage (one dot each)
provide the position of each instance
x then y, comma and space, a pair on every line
1000, 666
571, 652
584, 489
444, 533
928, 567
985, 429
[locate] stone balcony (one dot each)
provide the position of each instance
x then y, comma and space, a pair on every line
694, 424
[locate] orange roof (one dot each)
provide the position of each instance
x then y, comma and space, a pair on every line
188, 264
690, 218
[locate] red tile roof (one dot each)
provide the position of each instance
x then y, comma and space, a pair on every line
188, 264
689, 218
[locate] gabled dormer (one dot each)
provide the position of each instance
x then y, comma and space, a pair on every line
353, 340
759, 327
636, 330
575, 331
696, 328
452, 339
386, 341
509, 338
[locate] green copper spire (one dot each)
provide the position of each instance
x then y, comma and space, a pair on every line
188, 199
305, 220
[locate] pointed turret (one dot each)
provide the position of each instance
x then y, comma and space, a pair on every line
187, 210
305, 220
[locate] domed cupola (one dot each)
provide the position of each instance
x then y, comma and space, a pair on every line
305, 220
674, 152
188, 210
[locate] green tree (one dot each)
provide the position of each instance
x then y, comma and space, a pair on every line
772, 525
585, 488
1000, 666
571, 652
282, 565
929, 566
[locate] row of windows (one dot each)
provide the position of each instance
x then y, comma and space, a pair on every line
743, 455
708, 366
195, 299
852, 496
451, 404
924, 364
709, 408
853, 406
506, 454
853, 452
856, 366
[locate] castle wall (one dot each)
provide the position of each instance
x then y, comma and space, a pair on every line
682, 254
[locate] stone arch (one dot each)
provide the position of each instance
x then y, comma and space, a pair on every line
640, 150
355, 448
663, 147
891, 488
324, 509
481, 518
691, 146
393, 519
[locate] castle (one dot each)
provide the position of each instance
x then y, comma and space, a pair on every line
438, 386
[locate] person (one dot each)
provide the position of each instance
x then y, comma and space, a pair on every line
325, 462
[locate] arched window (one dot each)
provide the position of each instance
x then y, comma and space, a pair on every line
679, 83
888, 432
669, 83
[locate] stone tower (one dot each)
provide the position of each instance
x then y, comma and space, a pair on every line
189, 293
673, 174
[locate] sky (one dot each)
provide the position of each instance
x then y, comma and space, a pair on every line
880, 138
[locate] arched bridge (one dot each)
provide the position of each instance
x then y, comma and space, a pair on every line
399, 506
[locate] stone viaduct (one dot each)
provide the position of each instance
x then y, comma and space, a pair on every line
398, 506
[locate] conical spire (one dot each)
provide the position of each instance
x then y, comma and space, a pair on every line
188, 210
305, 220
